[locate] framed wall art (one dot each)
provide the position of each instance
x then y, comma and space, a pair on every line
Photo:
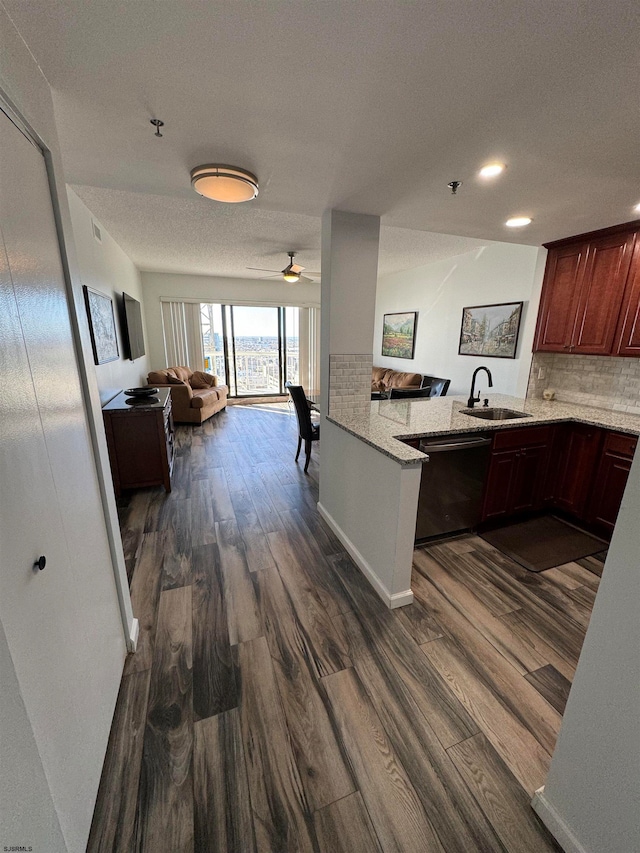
490, 330
102, 326
399, 334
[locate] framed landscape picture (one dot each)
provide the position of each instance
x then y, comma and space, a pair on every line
490, 330
399, 334
102, 326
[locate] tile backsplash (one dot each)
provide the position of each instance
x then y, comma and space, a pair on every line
590, 380
349, 383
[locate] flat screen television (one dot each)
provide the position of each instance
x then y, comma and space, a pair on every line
133, 334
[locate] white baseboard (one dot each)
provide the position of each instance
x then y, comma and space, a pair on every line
392, 600
555, 824
132, 642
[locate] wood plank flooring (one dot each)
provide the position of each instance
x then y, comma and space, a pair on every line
275, 704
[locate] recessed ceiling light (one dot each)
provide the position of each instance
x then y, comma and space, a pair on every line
224, 183
637, 208
518, 221
491, 170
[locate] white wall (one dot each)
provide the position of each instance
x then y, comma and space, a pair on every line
498, 272
105, 267
206, 288
592, 794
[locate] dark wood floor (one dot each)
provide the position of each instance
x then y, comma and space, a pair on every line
276, 705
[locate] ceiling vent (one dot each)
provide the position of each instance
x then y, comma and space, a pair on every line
97, 233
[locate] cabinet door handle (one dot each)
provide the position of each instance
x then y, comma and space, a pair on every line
40, 563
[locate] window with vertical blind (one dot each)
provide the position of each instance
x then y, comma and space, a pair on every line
182, 331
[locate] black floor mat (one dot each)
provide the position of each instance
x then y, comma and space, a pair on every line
542, 543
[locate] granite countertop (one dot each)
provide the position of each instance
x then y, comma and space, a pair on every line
387, 421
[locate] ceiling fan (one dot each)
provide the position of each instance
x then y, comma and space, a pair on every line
292, 273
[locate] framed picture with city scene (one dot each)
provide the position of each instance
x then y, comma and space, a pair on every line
490, 330
399, 334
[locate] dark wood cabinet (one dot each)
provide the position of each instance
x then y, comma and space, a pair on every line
497, 503
601, 292
611, 480
627, 340
575, 468
140, 438
588, 292
573, 460
517, 471
559, 300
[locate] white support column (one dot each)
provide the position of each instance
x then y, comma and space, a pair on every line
349, 279
368, 499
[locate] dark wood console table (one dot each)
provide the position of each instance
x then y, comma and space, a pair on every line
140, 438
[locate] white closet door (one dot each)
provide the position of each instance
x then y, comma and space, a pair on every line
62, 625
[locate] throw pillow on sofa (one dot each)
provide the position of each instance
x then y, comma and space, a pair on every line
200, 380
172, 379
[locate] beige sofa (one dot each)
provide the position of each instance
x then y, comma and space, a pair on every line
195, 395
383, 378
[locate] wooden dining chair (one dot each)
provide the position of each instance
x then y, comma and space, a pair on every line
307, 430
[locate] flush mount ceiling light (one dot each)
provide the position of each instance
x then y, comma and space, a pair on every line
637, 208
491, 170
518, 221
224, 183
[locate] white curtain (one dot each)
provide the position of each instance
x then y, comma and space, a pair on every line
309, 332
182, 334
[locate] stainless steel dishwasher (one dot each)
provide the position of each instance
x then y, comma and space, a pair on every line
452, 484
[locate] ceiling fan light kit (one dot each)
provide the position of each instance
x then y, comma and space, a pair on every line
227, 184
292, 273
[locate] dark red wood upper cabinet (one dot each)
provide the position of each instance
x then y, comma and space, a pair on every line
591, 294
627, 340
601, 293
560, 292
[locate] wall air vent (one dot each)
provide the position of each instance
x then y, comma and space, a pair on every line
96, 231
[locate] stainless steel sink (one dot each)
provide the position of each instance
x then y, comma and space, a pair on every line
494, 414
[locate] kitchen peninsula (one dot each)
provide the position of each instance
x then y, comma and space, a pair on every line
375, 515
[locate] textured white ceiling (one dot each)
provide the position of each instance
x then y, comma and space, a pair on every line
364, 105
190, 235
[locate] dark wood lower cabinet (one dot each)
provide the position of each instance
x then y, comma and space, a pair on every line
498, 486
529, 476
517, 471
611, 480
577, 469
576, 448
140, 439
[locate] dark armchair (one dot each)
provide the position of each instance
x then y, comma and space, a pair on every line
408, 393
307, 430
438, 387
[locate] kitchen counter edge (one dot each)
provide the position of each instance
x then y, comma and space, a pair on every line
540, 412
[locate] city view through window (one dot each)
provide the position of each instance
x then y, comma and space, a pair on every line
254, 350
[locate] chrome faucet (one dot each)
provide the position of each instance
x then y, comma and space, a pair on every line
473, 400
